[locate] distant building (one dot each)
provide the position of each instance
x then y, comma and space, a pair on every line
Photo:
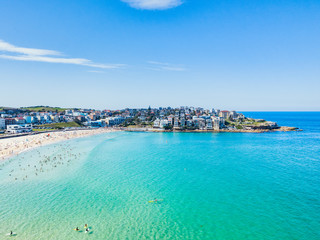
189, 123
233, 115
2, 123
218, 123
170, 119
156, 123
93, 117
205, 117
76, 114
10, 121
199, 122
98, 123
20, 120
56, 118
81, 118
182, 122
176, 123
209, 124
164, 123
68, 112
28, 119
5, 115
225, 114
47, 119
202, 124
19, 128
112, 121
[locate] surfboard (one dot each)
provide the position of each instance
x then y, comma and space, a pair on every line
11, 235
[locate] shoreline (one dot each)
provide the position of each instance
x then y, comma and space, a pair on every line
12, 145
280, 129
15, 145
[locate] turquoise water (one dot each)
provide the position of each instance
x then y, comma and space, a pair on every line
213, 186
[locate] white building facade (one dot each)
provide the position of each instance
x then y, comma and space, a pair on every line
19, 128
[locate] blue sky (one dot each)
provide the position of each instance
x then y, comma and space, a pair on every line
242, 55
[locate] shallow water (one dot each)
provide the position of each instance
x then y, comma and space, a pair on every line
213, 186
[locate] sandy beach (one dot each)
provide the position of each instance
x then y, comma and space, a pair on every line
16, 145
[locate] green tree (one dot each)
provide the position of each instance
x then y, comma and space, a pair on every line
167, 127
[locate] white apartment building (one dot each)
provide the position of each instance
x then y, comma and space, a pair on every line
164, 123
225, 114
218, 123
19, 128
111, 121
156, 123
209, 124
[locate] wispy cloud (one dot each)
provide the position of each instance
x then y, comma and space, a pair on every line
159, 66
153, 4
94, 71
42, 55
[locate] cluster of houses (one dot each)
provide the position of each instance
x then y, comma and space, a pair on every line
195, 118
20, 120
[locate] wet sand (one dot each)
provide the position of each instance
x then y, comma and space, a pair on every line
13, 146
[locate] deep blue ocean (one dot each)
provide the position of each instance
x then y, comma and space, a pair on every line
220, 186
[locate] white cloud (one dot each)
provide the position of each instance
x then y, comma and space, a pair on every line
159, 66
49, 56
7, 47
94, 71
153, 4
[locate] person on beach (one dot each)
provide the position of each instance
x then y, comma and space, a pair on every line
11, 233
77, 229
86, 226
87, 230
